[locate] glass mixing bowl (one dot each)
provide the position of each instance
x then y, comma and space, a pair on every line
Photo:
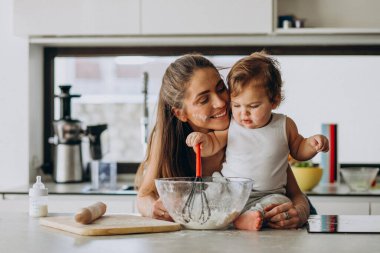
359, 179
225, 199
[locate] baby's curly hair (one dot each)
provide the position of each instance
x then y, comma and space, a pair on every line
258, 69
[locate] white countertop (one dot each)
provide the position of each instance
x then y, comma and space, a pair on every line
84, 189
73, 189
20, 233
338, 189
124, 187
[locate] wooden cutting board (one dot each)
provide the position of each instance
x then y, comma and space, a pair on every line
111, 225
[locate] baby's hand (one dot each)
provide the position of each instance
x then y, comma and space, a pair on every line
319, 142
196, 138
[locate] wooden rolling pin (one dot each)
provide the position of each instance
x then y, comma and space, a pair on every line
90, 213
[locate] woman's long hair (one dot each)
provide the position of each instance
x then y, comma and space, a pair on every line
167, 139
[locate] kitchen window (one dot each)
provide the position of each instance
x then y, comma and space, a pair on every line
110, 82
111, 89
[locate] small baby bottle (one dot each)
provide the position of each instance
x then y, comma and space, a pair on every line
38, 199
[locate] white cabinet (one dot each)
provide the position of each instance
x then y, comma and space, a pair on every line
76, 17
69, 18
71, 203
141, 17
330, 17
375, 208
206, 17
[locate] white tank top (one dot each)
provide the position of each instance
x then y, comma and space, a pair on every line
260, 154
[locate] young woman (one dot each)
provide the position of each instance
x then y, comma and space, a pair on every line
193, 97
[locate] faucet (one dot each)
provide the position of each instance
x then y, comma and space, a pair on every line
145, 118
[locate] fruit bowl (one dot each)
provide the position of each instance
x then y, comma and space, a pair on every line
307, 177
226, 197
359, 179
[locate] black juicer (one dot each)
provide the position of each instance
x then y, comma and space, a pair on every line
67, 141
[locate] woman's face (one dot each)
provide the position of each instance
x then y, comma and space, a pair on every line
206, 102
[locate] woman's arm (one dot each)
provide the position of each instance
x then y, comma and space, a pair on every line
148, 202
150, 206
298, 198
298, 210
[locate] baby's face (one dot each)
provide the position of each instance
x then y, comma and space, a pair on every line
252, 108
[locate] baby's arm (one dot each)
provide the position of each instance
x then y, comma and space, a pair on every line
211, 142
301, 148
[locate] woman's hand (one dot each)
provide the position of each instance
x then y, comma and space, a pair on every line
159, 211
282, 216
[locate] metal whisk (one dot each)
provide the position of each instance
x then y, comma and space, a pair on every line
197, 187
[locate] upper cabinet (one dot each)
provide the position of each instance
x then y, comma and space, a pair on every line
142, 17
76, 17
184, 17
144, 20
327, 16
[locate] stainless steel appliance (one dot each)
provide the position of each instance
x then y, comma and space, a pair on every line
67, 140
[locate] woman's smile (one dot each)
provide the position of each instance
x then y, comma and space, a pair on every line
220, 114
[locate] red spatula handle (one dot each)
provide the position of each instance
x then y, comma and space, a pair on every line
198, 164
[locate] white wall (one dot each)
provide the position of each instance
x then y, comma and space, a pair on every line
336, 89
35, 112
14, 124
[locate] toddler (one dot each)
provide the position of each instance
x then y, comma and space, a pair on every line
258, 140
